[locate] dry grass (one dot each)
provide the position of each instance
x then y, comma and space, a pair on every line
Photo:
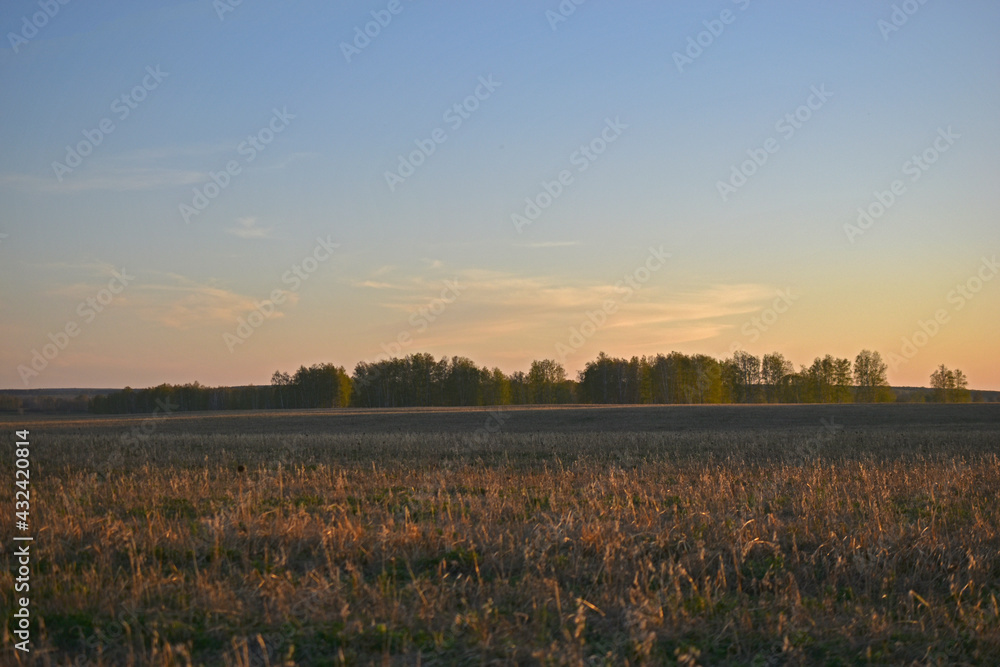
758, 546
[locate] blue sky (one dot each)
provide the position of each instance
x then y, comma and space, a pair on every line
555, 87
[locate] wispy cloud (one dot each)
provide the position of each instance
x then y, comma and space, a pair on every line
166, 299
105, 179
374, 284
168, 153
137, 170
83, 269
290, 159
549, 244
495, 304
248, 229
181, 303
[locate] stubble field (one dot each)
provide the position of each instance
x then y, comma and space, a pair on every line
769, 535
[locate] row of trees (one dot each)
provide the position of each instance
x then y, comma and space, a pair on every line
415, 380
43, 403
743, 378
419, 380
422, 380
319, 386
950, 386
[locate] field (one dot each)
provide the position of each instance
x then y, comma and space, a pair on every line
734, 535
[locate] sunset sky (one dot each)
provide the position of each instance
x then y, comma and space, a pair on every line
189, 167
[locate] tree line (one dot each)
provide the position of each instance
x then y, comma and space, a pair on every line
421, 380
43, 403
319, 386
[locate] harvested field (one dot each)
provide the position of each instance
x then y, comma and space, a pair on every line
637, 535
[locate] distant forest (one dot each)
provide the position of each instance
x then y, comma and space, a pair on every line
421, 380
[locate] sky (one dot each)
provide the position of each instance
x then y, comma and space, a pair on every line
212, 191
